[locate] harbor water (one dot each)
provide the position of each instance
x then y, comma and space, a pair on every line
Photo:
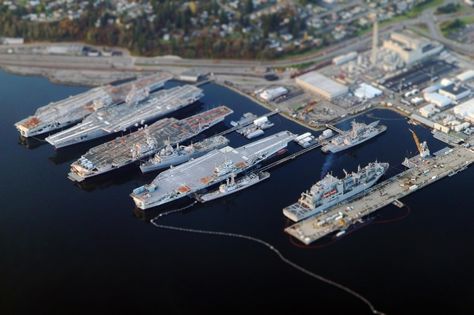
83, 248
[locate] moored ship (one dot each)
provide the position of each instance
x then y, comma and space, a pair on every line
209, 169
358, 134
232, 185
144, 143
172, 156
331, 190
120, 117
64, 113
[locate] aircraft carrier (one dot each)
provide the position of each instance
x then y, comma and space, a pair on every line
74, 109
330, 191
171, 156
216, 166
358, 134
143, 143
113, 119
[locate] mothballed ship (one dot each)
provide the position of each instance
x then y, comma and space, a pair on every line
210, 169
172, 156
358, 134
64, 113
331, 190
113, 119
144, 143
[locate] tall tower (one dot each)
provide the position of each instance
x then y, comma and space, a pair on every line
375, 39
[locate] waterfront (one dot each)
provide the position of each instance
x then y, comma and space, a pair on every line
71, 249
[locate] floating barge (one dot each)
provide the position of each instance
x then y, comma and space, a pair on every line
74, 109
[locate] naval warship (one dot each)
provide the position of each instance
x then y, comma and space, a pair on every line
232, 185
113, 119
143, 143
331, 190
212, 168
359, 133
67, 112
172, 156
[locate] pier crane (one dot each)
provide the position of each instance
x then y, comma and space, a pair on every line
422, 146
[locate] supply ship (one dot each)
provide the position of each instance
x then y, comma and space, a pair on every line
207, 170
113, 119
358, 134
231, 186
330, 191
143, 143
172, 156
74, 109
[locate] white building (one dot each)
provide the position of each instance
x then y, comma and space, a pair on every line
428, 110
11, 40
454, 92
317, 83
437, 99
465, 111
271, 94
410, 47
366, 91
465, 76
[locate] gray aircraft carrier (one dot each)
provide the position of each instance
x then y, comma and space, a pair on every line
74, 109
207, 170
113, 119
143, 143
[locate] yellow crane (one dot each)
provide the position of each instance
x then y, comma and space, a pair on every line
421, 146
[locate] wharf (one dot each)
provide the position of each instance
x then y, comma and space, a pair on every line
343, 215
227, 131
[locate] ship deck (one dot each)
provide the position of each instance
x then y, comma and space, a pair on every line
342, 216
118, 152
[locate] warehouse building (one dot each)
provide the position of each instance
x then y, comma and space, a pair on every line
411, 48
321, 85
465, 111
428, 110
454, 92
437, 99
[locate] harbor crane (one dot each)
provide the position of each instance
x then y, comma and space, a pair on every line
421, 146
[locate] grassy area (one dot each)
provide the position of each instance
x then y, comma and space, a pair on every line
448, 8
467, 20
303, 65
419, 8
451, 26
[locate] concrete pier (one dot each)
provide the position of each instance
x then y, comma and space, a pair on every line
343, 215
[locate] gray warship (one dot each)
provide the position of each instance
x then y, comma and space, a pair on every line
359, 133
172, 156
212, 168
113, 119
143, 143
67, 112
330, 191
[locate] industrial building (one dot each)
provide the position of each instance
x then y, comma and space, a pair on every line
410, 47
428, 110
271, 94
367, 91
454, 92
321, 85
437, 99
465, 111
465, 76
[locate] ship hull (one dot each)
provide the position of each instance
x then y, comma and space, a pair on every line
289, 211
338, 148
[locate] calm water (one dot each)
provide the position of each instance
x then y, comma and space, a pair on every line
69, 249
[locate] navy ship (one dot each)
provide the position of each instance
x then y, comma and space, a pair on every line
359, 133
172, 156
207, 170
331, 190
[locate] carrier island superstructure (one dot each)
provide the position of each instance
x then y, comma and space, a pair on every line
74, 109
113, 119
212, 168
330, 191
143, 143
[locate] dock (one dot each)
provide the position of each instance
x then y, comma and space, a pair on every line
230, 130
340, 217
